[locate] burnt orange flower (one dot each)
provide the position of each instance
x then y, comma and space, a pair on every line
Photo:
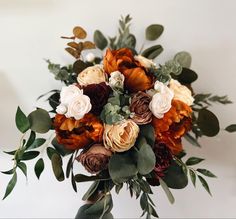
76, 134
175, 123
136, 76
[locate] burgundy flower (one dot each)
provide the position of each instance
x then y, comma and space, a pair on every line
163, 161
98, 94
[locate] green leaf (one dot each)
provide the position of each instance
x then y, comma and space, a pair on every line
30, 140
92, 189
206, 173
175, 177
152, 52
122, 167
208, 123
154, 31
10, 185
9, 172
167, 191
118, 187
231, 128
187, 76
204, 184
191, 140
192, 177
84, 178
73, 182
184, 59
144, 202
100, 207
30, 155
148, 132
60, 148
50, 152
23, 168
69, 166
39, 167
37, 143
57, 167
146, 159
193, 161
22, 122
40, 121
79, 66
100, 40
10, 152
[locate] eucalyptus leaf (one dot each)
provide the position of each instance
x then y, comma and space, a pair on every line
100, 40
187, 76
122, 167
175, 177
148, 132
154, 31
146, 159
152, 52
40, 121
57, 167
184, 59
208, 123
39, 167
22, 122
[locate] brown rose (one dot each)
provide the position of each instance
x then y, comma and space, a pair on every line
98, 94
140, 107
95, 159
76, 134
175, 123
136, 76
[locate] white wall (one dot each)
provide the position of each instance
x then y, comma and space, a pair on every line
30, 31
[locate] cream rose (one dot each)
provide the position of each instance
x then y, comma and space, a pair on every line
120, 137
161, 101
92, 75
61, 109
147, 63
78, 107
116, 80
67, 93
181, 92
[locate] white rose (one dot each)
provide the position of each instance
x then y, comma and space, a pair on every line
61, 109
67, 93
147, 63
92, 75
161, 101
116, 80
181, 92
78, 107
90, 57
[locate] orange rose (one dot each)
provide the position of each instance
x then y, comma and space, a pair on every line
175, 123
76, 134
136, 76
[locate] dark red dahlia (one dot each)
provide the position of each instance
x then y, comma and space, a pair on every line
98, 94
163, 161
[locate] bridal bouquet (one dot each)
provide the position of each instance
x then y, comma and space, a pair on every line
122, 117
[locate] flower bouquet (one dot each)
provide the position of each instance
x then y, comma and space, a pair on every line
123, 118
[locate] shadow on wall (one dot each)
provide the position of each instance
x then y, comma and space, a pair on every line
9, 103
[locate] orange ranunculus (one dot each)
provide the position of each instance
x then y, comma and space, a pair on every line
76, 134
175, 123
136, 76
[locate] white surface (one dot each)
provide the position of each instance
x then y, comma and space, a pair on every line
31, 30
